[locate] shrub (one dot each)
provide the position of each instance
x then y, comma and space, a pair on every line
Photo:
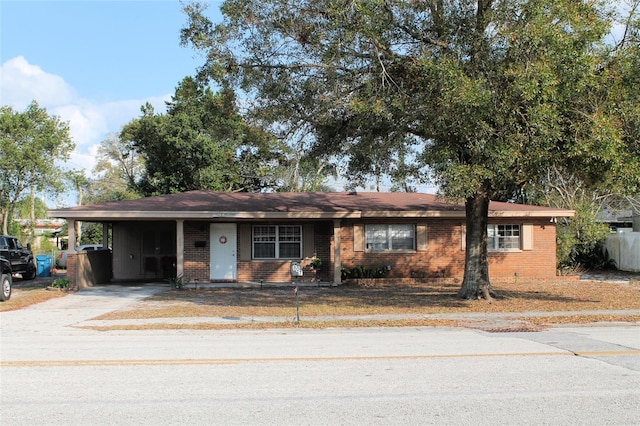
60, 283
361, 271
581, 242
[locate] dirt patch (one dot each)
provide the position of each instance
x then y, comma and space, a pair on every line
28, 292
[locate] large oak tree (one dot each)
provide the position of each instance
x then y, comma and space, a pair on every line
491, 91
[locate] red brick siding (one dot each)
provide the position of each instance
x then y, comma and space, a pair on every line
537, 263
280, 270
323, 237
72, 269
443, 258
196, 259
265, 270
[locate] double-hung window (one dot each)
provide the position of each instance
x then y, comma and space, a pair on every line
390, 237
503, 237
277, 242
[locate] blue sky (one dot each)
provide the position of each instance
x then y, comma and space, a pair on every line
93, 63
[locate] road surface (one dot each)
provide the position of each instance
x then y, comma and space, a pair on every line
53, 372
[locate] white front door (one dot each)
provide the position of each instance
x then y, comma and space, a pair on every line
223, 251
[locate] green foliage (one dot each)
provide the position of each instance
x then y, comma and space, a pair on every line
315, 262
91, 233
202, 142
44, 246
178, 283
32, 144
119, 168
361, 271
580, 239
61, 283
23, 209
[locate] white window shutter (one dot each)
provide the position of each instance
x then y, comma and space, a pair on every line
527, 236
246, 242
308, 240
358, 237
463, 237
421, 237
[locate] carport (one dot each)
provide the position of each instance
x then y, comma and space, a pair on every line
140, 251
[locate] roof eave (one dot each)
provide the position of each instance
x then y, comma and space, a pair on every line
461, 213
534, 213
208, 215
199, 215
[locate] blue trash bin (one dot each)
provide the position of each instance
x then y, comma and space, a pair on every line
44, 265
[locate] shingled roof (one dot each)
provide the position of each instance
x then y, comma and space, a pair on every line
290, 205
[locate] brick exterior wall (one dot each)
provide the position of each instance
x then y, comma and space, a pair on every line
540, 262
280, 270
444, 256
196, 259
72, 269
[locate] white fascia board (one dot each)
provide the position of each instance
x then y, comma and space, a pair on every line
203, 215
200, 215
536, 213
457, 214
411, 214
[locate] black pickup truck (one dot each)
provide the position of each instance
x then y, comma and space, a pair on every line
20, 257
5, 282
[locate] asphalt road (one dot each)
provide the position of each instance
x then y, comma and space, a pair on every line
52, 372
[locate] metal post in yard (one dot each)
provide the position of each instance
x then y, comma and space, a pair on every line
295, 291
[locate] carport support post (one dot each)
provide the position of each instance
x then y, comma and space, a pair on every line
337, 262
105, 235
180, 248
71, 227
71, 254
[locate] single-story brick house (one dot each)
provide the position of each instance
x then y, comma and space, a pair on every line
252, 237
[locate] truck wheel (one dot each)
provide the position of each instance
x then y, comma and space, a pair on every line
5, 292
30, 273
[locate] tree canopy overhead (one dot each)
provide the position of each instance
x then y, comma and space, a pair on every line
202, 142
489, 93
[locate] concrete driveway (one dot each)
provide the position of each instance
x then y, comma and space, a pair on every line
60, 314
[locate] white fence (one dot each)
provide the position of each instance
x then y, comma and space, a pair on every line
624, 249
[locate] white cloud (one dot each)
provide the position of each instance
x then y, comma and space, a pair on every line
22, 82
89, 121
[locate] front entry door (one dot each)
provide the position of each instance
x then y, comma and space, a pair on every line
223, 251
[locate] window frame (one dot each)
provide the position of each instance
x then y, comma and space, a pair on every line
389, 238
278, 240
497, 237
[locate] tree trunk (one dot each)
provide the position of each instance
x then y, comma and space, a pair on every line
476, 282
32, 214
5, 222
